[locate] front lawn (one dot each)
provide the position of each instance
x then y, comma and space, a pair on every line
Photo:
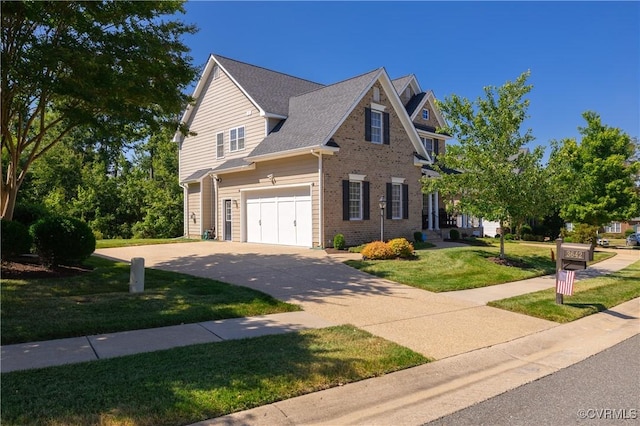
589, 296
194, 383
99, 301
463, 268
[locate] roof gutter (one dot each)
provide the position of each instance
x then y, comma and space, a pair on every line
329, 150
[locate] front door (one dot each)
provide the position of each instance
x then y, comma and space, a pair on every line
227, 220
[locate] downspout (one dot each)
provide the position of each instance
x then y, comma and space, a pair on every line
320, 200
201, 230
215, 206
185, 209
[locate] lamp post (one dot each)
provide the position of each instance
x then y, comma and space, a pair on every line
382, 204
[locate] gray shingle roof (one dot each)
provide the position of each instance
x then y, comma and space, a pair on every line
270, 89
414, 102
314, 115
231, 164
196, 176
399, 83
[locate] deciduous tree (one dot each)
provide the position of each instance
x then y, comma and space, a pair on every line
109, 66
499, 179
597, 178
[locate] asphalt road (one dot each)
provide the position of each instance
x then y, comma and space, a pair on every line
601, 390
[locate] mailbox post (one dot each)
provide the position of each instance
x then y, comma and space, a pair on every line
571, 257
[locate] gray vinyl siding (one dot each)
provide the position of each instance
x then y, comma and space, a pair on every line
221, 107
193, 203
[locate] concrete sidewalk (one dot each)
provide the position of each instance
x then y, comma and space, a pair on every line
421, 394
30, 355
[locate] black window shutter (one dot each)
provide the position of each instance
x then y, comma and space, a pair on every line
367, 124
436, 146
405, 201
389, 201
345, 200
366, 207
387, 133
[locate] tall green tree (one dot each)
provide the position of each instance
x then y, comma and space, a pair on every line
596, 180
110, 66
499, 179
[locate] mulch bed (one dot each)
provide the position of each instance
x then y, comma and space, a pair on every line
28, 267
508, 262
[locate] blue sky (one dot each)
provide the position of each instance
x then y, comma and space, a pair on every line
582, 55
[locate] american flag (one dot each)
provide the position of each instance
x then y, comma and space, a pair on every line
564, 282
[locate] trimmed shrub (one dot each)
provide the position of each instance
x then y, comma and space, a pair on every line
629, 232
29, 213
61, 240
583, 233
377, 250
417, 237
454, 235
338, 242
15, 239
401, 247
508, 237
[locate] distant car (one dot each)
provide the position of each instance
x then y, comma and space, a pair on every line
633, 239
603, 242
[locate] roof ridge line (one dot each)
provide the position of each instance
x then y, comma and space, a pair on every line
266, 69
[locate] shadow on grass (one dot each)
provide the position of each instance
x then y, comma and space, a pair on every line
191, 384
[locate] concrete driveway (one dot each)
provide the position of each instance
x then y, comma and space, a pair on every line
433, 324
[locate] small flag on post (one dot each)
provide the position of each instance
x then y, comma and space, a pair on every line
564, 282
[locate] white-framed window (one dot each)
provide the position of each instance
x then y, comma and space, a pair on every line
428, 145
425, 114
569, 226
220, 145
355, 200
613, 228
236, 139
396, 201
376, 126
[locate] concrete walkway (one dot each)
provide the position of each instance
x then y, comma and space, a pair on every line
482, 351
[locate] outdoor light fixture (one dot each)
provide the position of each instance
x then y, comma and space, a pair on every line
193, 217
382, 204
271, 178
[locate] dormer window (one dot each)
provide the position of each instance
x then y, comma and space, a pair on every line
425, 114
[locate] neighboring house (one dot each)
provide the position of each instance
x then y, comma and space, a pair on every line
282, 160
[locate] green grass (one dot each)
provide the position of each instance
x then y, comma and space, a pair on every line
99, 302
190, 384
119, 242
463, 268
589, 296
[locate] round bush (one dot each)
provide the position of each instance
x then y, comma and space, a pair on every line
377, 250
401, 247
508, 237
338, 242
62, 240
417, 237
454, 235
15, 239
29, 213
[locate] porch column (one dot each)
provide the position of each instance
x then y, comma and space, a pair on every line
437, 211
430, 210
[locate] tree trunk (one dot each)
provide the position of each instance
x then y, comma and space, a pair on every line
9, 194
501, 239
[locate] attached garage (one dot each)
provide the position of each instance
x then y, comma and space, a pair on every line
279, 216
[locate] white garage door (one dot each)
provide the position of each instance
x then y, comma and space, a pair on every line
279, 216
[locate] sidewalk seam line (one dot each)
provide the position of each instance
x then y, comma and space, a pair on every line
92, 348
200, 324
